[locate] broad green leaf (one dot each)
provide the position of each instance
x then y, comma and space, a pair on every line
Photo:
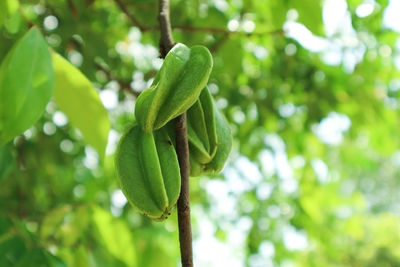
75, 256
26, 85
7, 7
115, 236
13, 23
3, 11
54, 261
67, 224
77, 98
35, 257
39, 257
53, 221
6, 160
5, 225
11, 250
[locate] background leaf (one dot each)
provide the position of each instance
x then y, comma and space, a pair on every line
6, 160
26, 84
115, 236
310, 14
7, 7
77, 98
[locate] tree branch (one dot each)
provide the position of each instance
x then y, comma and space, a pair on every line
122, 84
124, 9
217, 45
185, 228
182, 148
27, 20
187, 28
166, 39
225, 31
73, 9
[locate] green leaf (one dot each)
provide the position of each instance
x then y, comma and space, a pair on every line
7, 7
310, 14
39, 257
26, 85
11, 251
5, 225
115, 235
53, 221
54, 261
78, 99
13, 23
6, 160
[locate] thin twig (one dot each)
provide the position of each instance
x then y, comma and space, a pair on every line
73, 8
27, 20
122, 84
225, 31
217, 45
124, 9
182, 149
201, 29
187, 28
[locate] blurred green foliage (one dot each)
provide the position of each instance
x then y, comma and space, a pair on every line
297, 198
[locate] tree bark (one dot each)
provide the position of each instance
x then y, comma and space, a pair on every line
182, 148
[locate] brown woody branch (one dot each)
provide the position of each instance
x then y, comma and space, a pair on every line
124, 9
27, 20
73, 8
225, 31
122, 84
182, 148
143, 28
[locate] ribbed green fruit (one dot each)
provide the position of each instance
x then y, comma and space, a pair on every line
224, 137
148, 170
202, 133
176, 87
210, 138
224, 145
196, 168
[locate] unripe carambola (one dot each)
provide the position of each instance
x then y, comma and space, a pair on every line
148, 170
224, 137
224, 145
209, 135
176, 87
202, 133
